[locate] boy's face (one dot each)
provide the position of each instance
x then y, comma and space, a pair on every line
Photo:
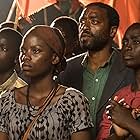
131, 47
7, 54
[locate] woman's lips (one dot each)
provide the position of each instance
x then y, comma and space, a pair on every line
26, 66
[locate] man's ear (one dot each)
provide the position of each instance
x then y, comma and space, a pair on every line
55, 59
17, 65
16, 59
113, 31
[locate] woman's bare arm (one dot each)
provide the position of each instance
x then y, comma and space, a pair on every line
3, 136
82, 135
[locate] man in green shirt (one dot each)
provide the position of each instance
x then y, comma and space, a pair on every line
99, 72
93, 84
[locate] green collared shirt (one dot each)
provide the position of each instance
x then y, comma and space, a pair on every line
93, 84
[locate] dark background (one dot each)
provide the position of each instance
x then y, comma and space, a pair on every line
38, 18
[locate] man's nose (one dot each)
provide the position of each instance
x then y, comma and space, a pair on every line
84, 25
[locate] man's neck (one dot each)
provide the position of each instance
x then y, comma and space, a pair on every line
136, 84
97, 59
5, 76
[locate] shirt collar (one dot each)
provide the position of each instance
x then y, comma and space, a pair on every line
7, 85
108, 62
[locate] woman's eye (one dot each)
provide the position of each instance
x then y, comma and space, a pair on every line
2, 48
36, 51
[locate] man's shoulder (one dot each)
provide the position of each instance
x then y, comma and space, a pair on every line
78, 58
72, 72
117, 57
74, 64
119, 66
117, 51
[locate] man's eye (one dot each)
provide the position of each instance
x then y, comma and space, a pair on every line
4, 49
94, 22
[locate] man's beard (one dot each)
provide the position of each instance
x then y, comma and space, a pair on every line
95, 45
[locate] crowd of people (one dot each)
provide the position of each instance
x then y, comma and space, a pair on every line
70, 80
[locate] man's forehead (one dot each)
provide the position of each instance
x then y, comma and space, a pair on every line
5, 34
5, 38
94, 10
2, 38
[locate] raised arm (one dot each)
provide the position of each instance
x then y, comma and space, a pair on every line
122, 116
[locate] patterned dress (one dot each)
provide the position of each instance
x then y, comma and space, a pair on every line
68, 115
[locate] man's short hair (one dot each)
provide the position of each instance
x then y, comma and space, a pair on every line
112, 14
67, 24
10, 24
13, 36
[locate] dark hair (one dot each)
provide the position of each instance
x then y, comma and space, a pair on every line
134, 25
10, 24
61, 37
12, 36
112, 14
67, 25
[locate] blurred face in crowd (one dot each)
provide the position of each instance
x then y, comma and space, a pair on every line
69, 30
94, 30
131, 46
8, 53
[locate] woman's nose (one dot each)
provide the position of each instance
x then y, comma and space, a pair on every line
26, 56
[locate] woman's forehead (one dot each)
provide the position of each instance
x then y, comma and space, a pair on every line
34, 41
33, 38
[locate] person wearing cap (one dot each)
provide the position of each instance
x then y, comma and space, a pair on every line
10, 41
44, 110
